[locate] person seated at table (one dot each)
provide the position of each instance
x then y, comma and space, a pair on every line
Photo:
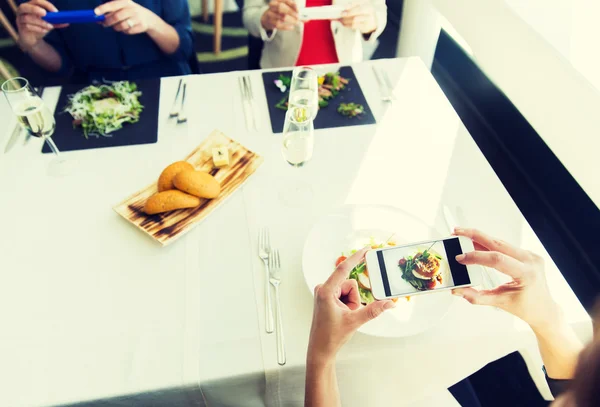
289, 42
138, 39
573, 372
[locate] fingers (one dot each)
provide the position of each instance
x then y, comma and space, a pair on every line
35, 29
372, 311
483, 297
119, 17
111, 6
350, 294
342, 271
290, 4
44, 4
496, 260
32, 20
358, 9
353, 22
31, 8
493, 244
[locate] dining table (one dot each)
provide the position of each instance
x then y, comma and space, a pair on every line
93, 309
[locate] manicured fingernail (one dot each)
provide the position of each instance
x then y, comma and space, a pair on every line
389, 305
460, 257
458, 230
49, 26
96, 11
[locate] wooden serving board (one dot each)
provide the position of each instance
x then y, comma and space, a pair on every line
167, 227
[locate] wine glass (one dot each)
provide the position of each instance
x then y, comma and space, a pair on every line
34, 116
304, 90
297, 150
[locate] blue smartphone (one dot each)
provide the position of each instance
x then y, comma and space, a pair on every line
72, 17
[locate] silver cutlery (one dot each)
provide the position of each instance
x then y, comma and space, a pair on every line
275, 280
384, 88
264, 249
451, 223
247, 102
182, 117
13, 138
174, 112
252, 102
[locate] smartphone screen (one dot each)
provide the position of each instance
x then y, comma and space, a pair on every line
423, 267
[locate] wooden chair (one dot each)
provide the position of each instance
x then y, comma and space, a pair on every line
8, 27
13, 34
218, 23
12, 5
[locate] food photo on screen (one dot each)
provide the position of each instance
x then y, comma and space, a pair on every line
412, 269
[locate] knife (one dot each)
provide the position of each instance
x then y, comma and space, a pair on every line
451, 223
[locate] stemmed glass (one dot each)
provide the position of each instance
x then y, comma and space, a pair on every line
304, 90
34, 116
297, 150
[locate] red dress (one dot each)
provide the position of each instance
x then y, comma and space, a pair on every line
318, 46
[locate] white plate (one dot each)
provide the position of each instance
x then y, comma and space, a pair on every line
351, 227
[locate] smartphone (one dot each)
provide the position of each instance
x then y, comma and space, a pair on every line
419, 268
321, 13
73, 17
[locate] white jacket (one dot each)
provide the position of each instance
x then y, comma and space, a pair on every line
282, 48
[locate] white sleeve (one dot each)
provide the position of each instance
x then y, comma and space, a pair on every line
381, 17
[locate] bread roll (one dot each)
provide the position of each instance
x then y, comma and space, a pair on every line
165, 181
197, 183
169, 201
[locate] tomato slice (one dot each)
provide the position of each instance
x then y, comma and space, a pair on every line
340, 260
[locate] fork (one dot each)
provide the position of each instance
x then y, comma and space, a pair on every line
247, 101
174, 112
264, 249
182, 118
251, 100
275, 280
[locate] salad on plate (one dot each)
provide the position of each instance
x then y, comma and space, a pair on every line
101, 109
361, 274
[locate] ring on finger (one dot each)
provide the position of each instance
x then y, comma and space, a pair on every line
130, 23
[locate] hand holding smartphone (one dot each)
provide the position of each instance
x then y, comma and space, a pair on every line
422, 267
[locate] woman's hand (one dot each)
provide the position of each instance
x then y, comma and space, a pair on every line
338, 312
526, 296
32, 29
360, 16
281, 15
127, 16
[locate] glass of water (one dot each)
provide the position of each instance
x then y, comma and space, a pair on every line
297, 150
298, 136
304, 90
34, 116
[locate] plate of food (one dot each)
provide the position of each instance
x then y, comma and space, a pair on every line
187, 191
341, 100
340, 233
107, 114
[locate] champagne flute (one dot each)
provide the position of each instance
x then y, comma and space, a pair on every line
304, 90
34, 116
297, 150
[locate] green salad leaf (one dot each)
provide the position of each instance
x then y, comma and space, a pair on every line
102, 109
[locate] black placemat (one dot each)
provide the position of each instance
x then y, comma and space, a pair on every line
328, 116
144, 131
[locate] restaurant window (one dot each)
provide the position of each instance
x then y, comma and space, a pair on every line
571, 27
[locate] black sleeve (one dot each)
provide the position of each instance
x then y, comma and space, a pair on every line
557, 386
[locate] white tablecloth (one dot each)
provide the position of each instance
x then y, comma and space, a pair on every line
92, 308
